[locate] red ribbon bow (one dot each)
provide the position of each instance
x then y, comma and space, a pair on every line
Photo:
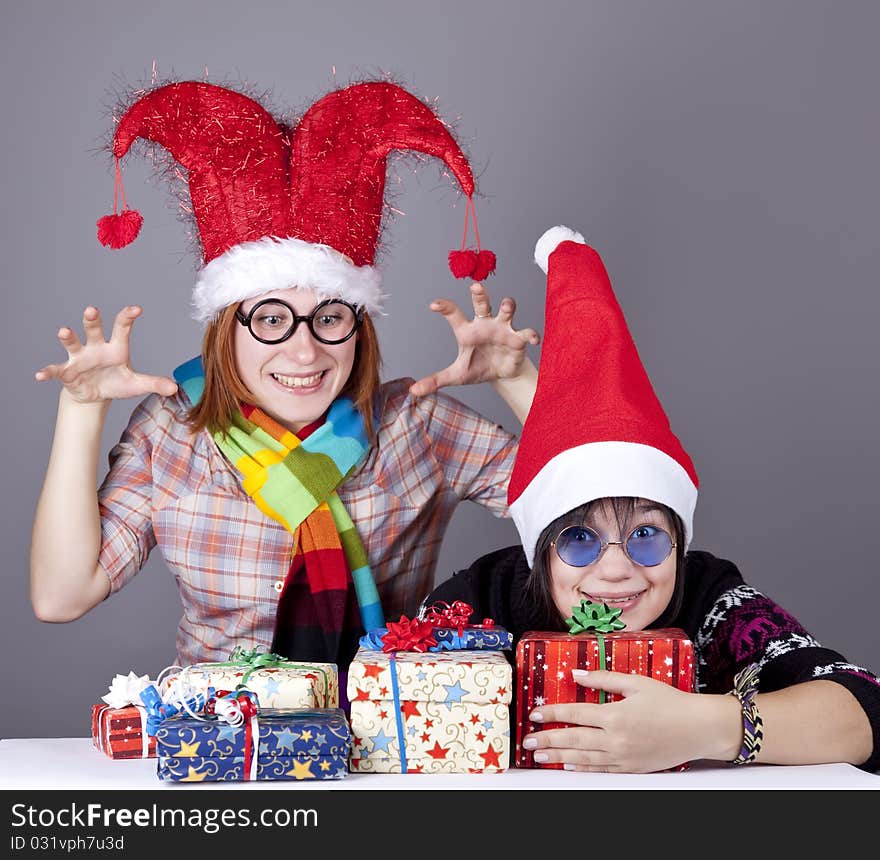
417, 634
409, 635
441, 614
247, 702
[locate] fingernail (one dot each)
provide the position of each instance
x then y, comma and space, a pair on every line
541, 757
536, 717
580, 674
530, 743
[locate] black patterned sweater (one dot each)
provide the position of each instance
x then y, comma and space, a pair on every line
730, 623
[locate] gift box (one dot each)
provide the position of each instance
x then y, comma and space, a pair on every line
470, 637
434, 712
121, 732
278, 683
276, 744
544, 661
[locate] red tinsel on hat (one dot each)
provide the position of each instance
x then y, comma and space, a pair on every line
279, 206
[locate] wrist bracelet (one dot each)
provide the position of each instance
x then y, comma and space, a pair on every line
745, 686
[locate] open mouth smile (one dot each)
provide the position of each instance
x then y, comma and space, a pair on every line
622, 600
310, 382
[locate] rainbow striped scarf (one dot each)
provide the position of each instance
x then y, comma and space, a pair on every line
329, 592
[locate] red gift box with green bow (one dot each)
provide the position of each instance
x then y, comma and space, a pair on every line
597, 640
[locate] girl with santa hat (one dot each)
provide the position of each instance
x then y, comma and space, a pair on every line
603, 495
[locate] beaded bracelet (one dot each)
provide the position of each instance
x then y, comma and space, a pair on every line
745, 686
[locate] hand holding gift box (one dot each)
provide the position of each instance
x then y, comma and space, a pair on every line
431, 699
565, 680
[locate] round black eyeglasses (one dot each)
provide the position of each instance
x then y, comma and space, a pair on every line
273, 321
646, 546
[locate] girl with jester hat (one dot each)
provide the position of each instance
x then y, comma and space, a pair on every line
293, 495
603, 496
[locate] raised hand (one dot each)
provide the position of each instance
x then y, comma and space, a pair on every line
489, 348
100, 370
655, 727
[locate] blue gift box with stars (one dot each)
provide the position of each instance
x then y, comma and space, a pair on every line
278, 744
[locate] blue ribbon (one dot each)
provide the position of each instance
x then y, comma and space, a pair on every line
157, 711
398, 714
472, 639
449, 639
373, 639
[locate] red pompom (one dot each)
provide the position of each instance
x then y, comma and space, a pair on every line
462, 263
485, 265
120, 230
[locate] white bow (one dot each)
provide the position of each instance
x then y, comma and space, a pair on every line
125, 690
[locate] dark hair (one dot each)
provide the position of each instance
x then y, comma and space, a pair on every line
538, 589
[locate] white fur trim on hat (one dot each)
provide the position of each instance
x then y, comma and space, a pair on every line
254, 268
548, 243
599, 470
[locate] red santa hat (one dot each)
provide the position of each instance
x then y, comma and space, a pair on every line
596, 428
277, 207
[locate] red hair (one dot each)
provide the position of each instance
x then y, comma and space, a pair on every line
224, 389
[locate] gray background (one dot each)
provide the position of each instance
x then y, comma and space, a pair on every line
722, 157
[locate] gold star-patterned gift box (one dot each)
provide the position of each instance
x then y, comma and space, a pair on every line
281, 744
444, 712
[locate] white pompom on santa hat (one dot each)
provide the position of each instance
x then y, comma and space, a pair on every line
596, 428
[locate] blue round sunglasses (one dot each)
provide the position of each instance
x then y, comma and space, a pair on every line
646, 546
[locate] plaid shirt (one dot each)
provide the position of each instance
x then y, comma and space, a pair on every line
169, 487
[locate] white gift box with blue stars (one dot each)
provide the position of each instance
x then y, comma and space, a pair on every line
445, 712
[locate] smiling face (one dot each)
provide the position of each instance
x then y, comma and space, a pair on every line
294, 381
642, 593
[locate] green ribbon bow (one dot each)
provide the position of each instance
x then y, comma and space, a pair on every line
599, 617
256, 658
594, 616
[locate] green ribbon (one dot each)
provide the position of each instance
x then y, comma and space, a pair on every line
600, 618
256, 659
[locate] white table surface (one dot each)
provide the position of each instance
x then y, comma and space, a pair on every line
73, 763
